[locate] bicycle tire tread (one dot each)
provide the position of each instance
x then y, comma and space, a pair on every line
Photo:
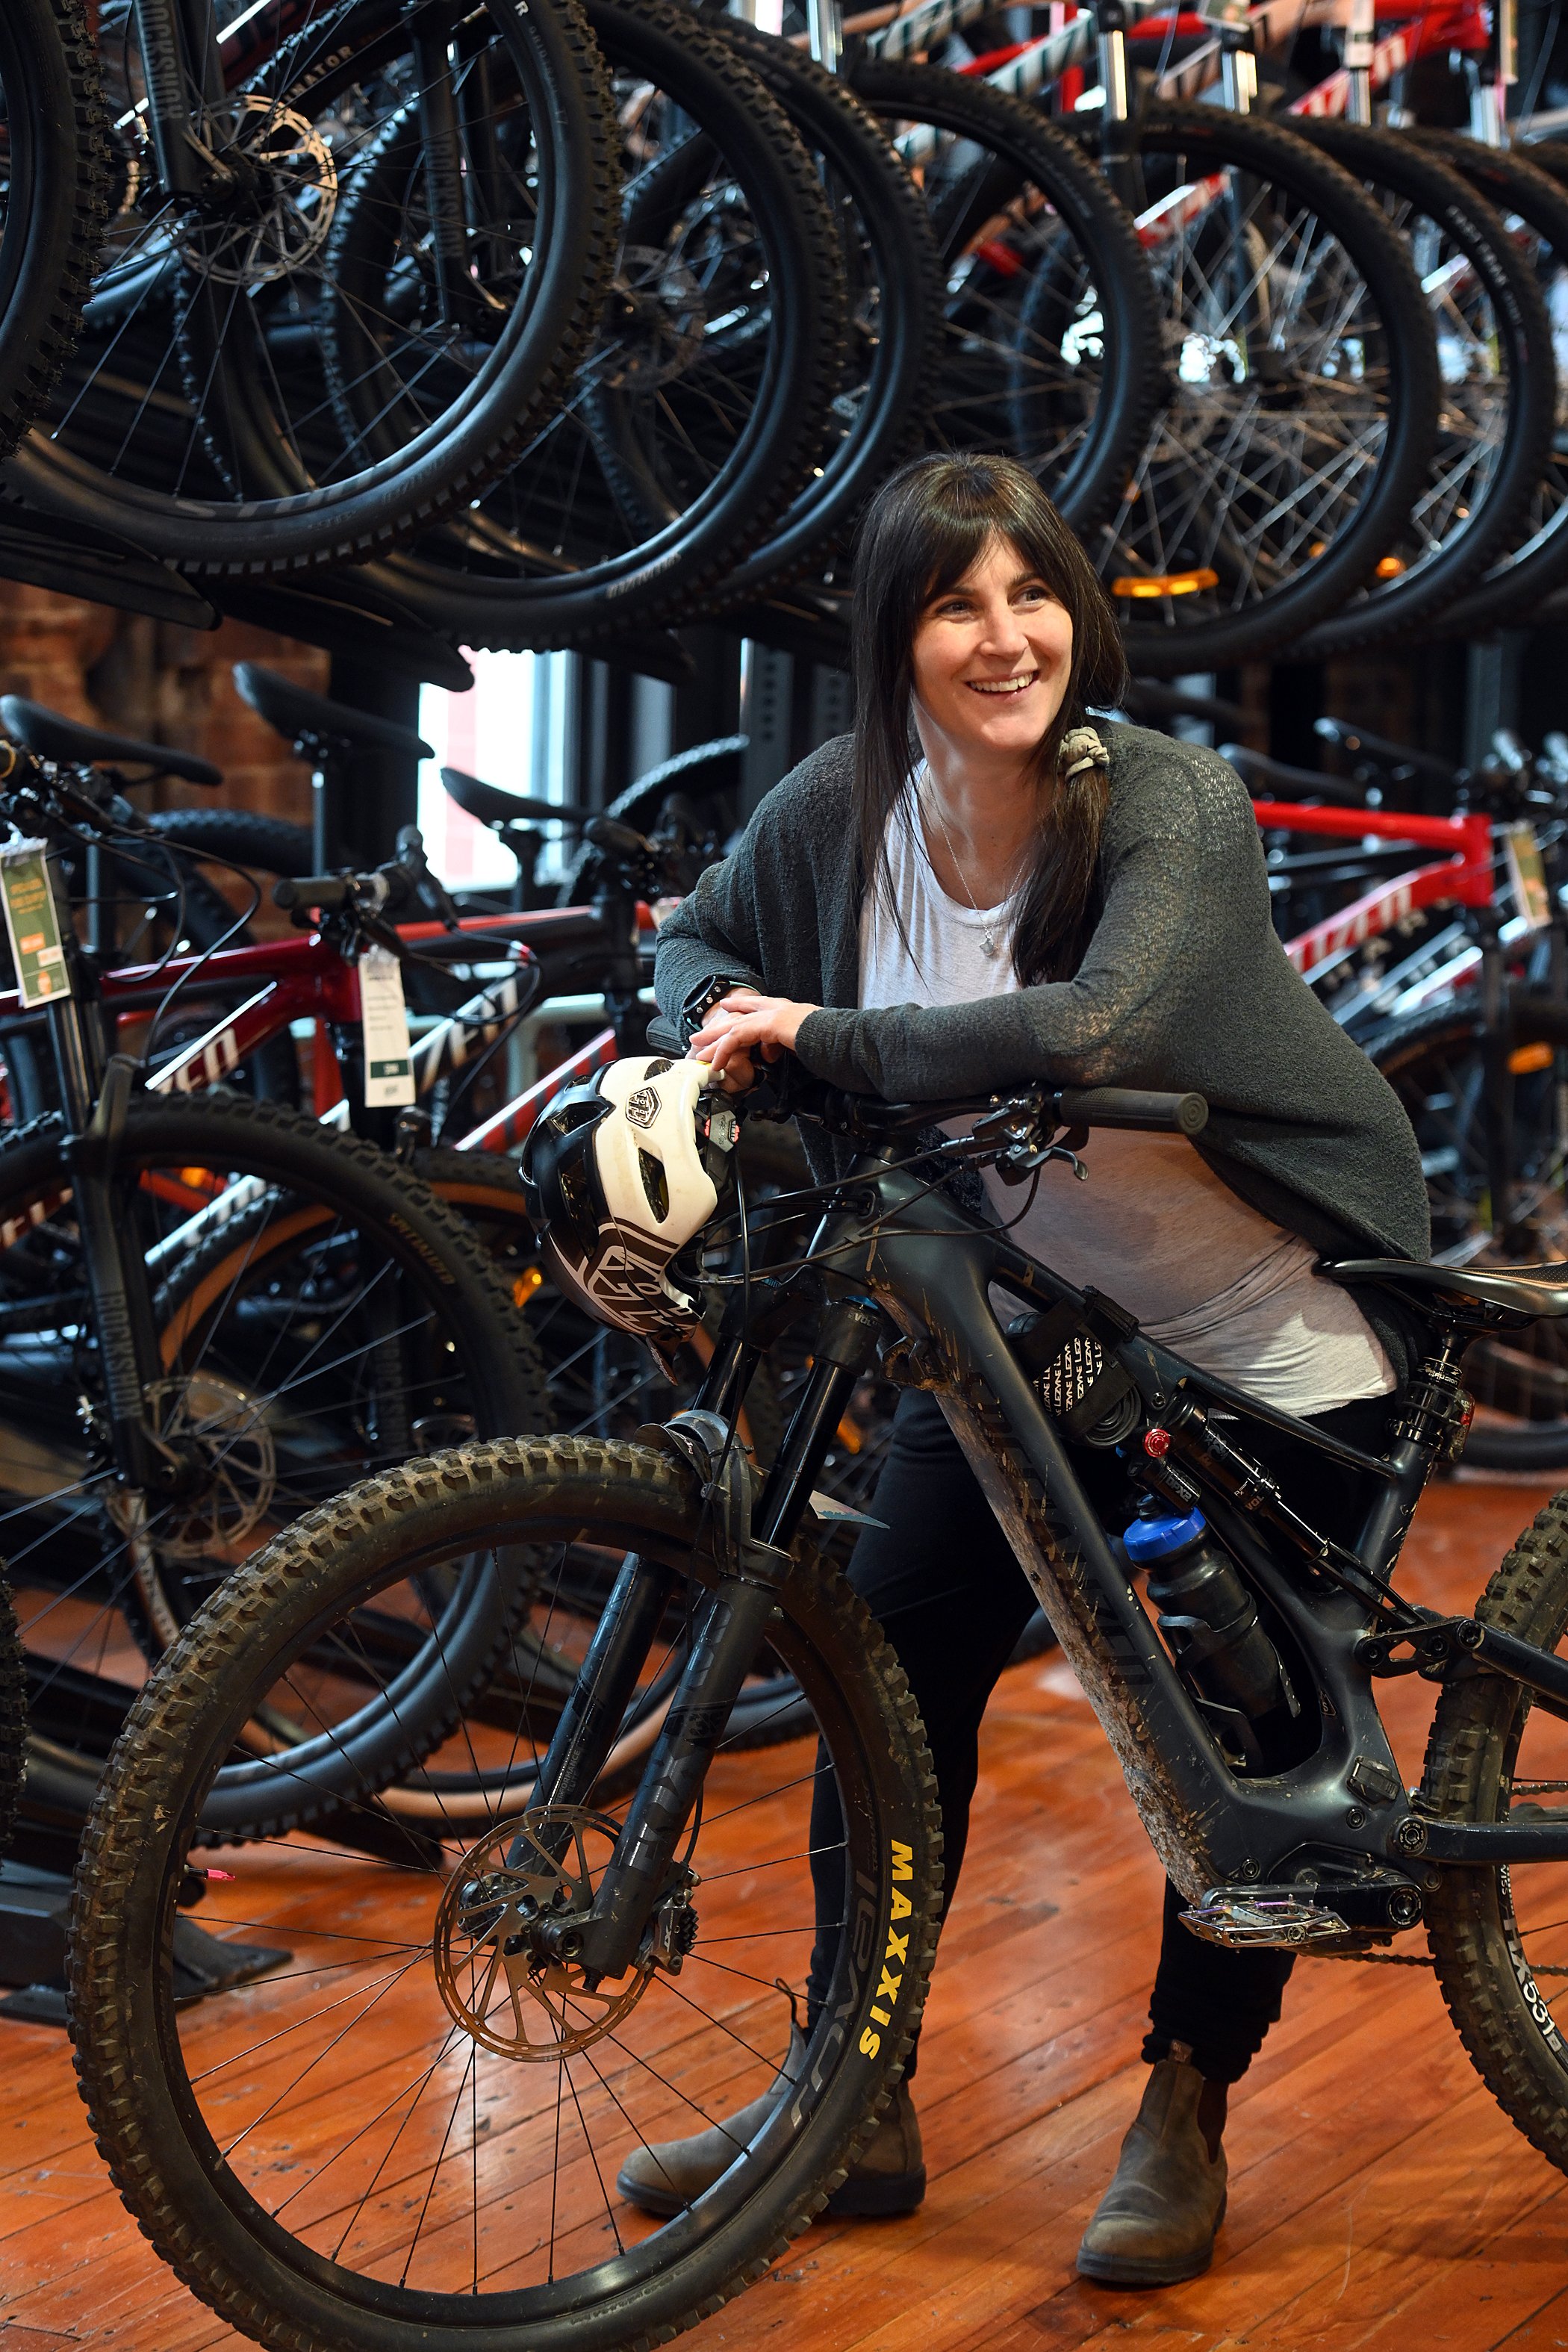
1478, 1987
127, 1812
37, 347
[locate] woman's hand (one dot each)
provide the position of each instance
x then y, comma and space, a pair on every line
742, 1029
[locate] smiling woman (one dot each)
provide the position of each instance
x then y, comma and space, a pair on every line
976, 893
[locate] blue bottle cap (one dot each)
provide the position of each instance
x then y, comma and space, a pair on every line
1147, 1540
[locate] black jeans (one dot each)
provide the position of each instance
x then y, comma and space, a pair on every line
943, 1582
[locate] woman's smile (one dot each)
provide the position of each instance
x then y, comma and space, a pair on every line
1001, 685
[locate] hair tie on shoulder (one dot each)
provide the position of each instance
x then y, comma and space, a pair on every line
1081, 749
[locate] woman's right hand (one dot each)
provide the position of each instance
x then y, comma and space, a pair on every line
742, 1027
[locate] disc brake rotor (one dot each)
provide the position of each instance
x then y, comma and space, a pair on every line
281, 223
497, 1974
226, 1428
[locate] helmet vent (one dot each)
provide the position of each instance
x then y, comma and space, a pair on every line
655, 1183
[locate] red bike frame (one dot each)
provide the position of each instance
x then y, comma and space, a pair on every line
309, 979
1463, 878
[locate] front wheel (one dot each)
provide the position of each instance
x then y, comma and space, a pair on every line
417, 2143
1499, 1936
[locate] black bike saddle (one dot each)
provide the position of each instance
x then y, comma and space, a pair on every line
310, 719
52, 736
488, 804
1534, 1292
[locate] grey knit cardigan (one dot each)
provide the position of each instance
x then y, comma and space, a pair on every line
1184, 985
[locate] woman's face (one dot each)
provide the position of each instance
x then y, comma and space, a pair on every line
990, 661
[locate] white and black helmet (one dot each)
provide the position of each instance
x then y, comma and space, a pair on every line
622, 1174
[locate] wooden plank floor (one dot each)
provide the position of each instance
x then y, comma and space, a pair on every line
1379, 2199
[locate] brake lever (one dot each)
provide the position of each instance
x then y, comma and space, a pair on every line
412, 858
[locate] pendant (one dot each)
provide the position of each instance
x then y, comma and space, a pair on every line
987, 944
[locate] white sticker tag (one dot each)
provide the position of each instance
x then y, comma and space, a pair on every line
388, 1062
1527, 875
32, 920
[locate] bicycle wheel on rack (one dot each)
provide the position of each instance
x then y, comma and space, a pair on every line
1302, 394
703, 407
454, 2114
296, 367
53, 195
1433, 1061
1499, 398
1051, 351
1533, 203
318, 1313
893, 281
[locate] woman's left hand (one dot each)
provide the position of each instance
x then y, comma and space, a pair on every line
743, 1028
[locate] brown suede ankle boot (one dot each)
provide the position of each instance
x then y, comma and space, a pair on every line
887, 2178
1156, 2222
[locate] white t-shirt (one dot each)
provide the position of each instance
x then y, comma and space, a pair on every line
1153, 1227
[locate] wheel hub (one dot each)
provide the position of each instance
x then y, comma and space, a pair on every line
274, 211
655, 322
220, 1434
503, 1939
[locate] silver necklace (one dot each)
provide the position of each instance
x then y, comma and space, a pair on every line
990, 944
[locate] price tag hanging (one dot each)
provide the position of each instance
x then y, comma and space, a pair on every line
383, 1018
1527, 875
33, 922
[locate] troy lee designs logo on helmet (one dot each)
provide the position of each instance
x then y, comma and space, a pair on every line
642, 1106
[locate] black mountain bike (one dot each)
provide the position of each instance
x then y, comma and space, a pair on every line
414, 2141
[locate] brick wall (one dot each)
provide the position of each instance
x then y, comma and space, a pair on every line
165, 684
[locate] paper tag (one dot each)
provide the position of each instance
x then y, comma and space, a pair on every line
383, 1017
33, 921
1527, 875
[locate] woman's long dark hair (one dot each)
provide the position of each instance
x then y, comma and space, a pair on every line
922, 532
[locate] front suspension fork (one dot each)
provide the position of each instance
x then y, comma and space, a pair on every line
183, 76
729, 1629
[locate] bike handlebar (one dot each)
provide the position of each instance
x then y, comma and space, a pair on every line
1362, 744
1131, 1106
1141, 1109
328, 893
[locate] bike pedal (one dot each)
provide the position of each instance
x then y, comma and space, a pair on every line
1243, 1917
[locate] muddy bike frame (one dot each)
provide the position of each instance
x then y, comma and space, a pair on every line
1327, 1845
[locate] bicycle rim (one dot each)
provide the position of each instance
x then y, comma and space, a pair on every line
464, 2122
1302, 395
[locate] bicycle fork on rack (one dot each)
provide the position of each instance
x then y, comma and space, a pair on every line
95, 1095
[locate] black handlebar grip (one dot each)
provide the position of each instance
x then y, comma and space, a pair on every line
1131, 1106
327, 891
664, 1037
